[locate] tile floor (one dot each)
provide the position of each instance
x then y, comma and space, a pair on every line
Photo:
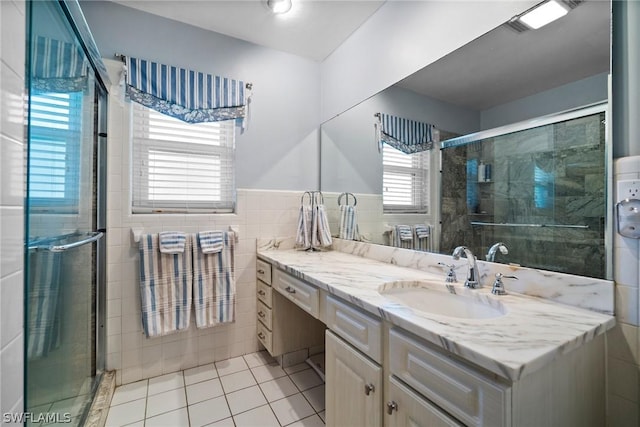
247, 391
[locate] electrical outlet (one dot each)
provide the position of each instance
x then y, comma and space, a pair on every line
628, 189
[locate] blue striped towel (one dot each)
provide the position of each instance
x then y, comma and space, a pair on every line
211, 241
321, 232
422, 233
43, 307
402, 237
214, 283
348, 223
172, 242
165, 287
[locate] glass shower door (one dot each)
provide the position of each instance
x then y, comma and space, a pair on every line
61, 221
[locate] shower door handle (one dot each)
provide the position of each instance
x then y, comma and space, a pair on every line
90, 238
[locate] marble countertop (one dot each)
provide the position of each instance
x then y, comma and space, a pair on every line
532, 333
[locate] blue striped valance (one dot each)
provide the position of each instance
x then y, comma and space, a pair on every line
408, 136
58, 66
187, 95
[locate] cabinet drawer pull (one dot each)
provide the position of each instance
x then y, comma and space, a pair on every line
391, 406
368, 388
261, 292
290, 290
261, 314
261, 271
261, 335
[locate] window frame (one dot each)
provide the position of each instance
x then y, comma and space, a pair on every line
419, 173
145, 144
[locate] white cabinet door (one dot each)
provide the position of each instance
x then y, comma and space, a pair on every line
353, 386
404, 408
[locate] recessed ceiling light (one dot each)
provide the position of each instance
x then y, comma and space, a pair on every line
279, 6
543, 14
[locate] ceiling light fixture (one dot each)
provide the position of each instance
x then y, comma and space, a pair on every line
279, 6
543, 14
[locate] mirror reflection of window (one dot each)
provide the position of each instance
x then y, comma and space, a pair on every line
56, 126
405, 181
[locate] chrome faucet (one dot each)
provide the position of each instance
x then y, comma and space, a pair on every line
473, 278
491, 255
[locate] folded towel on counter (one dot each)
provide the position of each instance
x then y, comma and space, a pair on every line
172, 242
165, 287
214, 285
211, 241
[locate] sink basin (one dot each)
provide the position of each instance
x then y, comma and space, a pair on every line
435, 298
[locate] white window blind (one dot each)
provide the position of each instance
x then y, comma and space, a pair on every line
405, 181
54, 150
181, 167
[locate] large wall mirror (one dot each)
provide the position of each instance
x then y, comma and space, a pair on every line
520, 153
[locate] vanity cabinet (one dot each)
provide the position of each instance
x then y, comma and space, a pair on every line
282, 326
354, 386
379, 374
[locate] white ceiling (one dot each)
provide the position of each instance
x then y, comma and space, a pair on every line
312, 29
503, 65
499, 67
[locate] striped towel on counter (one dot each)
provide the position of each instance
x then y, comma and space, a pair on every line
348, 223
303, 232
43, 307
172, 242
165, 287
211, 241
422, 233
214, 283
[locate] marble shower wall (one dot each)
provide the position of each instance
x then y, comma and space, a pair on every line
552, 175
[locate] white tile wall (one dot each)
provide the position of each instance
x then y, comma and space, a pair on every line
12, 60
624, 340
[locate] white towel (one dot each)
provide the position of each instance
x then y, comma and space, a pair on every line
214, 284
348, 223
211, 241
172, 242
303, 233
165, 287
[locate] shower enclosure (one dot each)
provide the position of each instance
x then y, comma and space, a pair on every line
539, 187
64, 217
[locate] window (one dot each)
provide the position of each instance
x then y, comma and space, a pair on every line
54, 150
181, 167
405, 181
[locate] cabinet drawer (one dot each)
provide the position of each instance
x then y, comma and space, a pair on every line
413, 410
265, 337
264, 315
263, 271
304, 296
464, 393
362, 331
264, 293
